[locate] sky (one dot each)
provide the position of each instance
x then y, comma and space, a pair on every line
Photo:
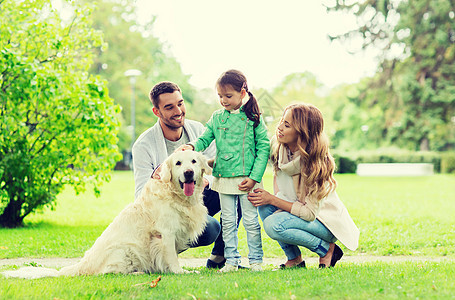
266, 40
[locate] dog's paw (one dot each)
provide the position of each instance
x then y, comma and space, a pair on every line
190, 271
183, 271
137, 273
178, 271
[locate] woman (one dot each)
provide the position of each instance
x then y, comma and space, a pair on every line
305, 210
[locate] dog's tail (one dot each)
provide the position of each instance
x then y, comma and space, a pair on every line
70, 270
31, 273
40, 272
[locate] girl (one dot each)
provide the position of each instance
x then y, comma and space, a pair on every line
305, 210
242, 154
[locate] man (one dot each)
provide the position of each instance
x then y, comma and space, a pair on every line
158, 142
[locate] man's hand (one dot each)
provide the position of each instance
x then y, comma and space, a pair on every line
247, 184
206, 182
156, 173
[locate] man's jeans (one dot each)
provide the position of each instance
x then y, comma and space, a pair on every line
229, 213
291, 231
211, 232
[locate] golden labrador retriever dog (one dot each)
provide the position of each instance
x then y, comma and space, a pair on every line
148, 234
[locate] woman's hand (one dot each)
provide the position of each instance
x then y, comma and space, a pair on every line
247, 184
260, 197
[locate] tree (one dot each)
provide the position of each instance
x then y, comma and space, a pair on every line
131, 45
414, 88
304, 87
58, 124
353, 126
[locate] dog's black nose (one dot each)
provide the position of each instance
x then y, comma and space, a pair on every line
189, 174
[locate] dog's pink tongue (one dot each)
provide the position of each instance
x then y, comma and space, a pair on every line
188, 188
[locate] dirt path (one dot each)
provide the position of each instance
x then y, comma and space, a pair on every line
199, 262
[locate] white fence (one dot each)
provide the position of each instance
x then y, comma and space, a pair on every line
395, 169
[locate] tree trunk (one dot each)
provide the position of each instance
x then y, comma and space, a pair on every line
11, 216
425, 144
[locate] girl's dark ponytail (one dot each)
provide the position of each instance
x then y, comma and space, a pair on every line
251, 108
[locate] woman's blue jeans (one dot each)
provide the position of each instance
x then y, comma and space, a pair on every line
229, 213
291, 231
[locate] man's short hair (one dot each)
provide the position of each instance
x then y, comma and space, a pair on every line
162, 88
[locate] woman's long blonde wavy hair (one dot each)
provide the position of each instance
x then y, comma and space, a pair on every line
317, 163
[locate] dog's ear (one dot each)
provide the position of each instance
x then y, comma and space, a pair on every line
165, 172
204, 165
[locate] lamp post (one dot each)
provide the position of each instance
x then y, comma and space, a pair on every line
132, 74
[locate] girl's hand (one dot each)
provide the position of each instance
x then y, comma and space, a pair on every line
184, 148
210, 162
247, 184
260, 197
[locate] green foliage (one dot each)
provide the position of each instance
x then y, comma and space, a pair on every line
353, 127
301, 87
297, 87
413, 93
448, 162
203, 105
58, 124
344, 164
130, 45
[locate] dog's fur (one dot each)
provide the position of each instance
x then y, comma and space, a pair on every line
148, 234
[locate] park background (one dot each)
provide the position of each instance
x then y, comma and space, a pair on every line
75, 78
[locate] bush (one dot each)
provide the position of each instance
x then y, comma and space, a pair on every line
58, 125
448, 162
344, 164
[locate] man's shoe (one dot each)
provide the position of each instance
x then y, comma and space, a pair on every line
214, 265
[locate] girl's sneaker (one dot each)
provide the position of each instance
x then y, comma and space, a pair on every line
229, 268
256, 267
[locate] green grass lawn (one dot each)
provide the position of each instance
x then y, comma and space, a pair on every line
395, 215
350, 281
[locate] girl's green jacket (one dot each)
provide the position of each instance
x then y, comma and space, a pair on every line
241, 148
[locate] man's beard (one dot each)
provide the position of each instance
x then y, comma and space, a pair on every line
174, 127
